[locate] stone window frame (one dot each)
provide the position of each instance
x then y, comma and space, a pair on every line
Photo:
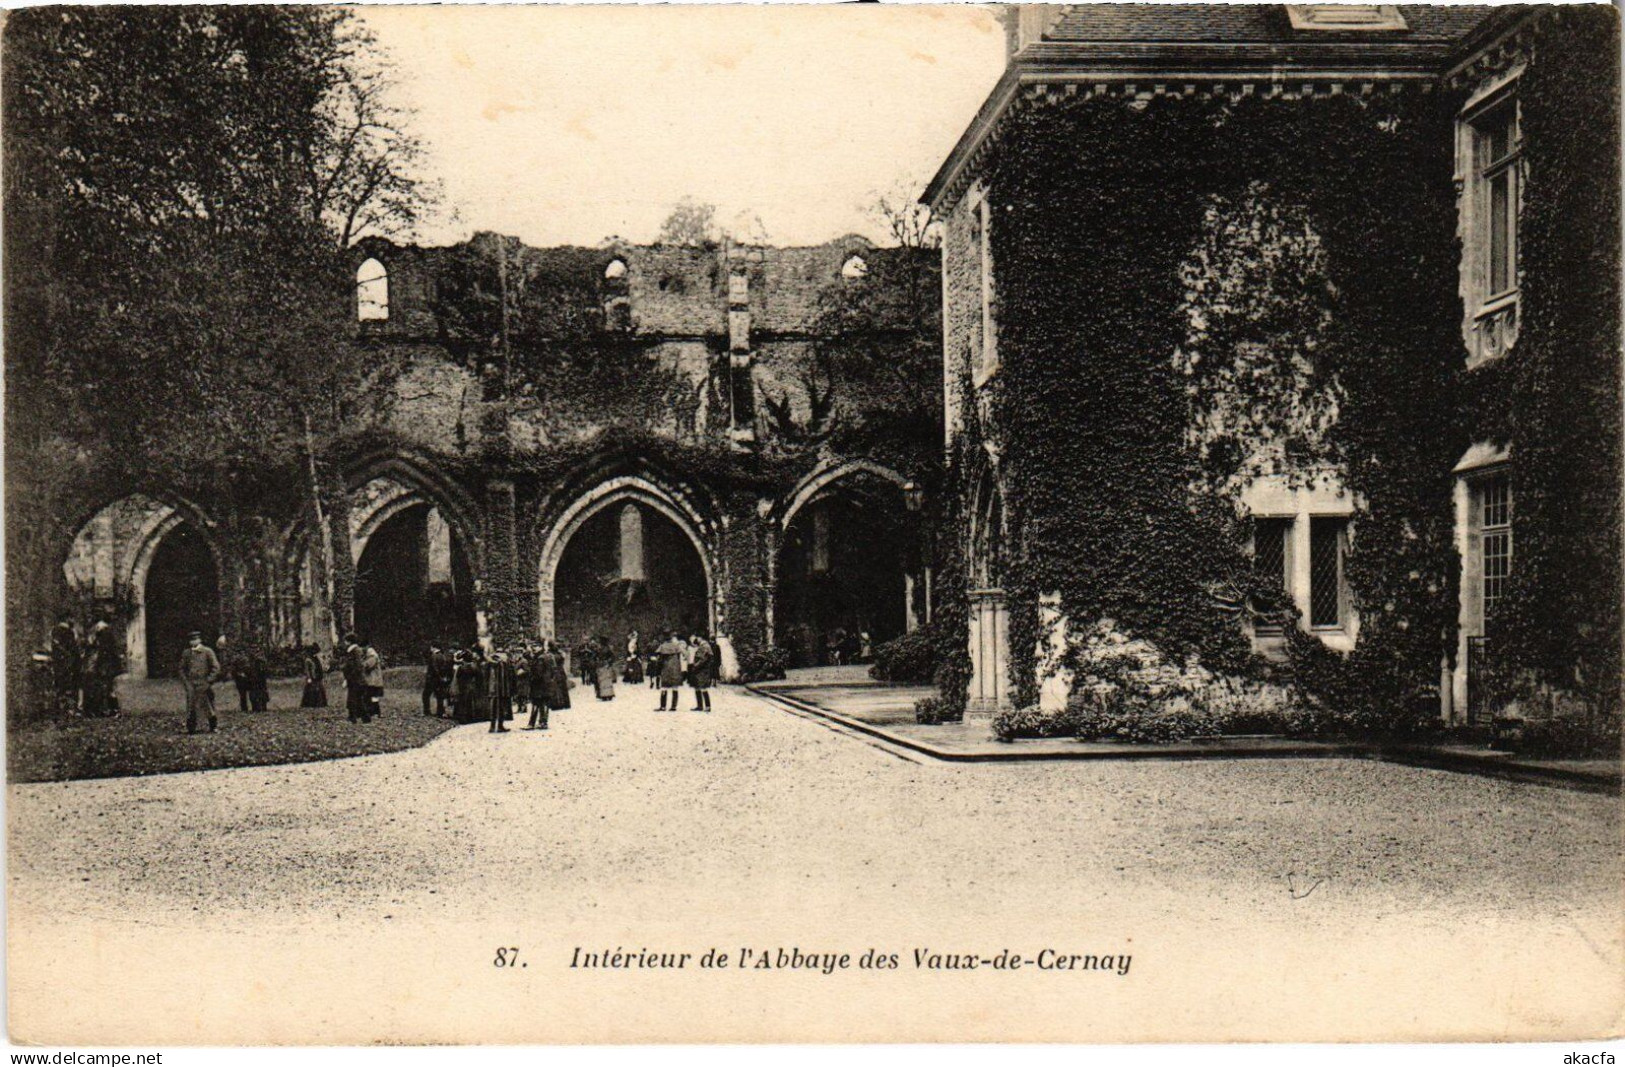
1491, 319
1283, 523
1476, 599
1300, 506
987, 354
1340, 532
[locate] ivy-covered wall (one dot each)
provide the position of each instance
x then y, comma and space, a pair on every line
1555, 399
508, 383
1197, 288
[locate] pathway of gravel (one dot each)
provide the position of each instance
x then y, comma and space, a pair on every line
750, 824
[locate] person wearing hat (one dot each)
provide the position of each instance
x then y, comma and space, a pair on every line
315, 694
200, 669
672, 653
702, 671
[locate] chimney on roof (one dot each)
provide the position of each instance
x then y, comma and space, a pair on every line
1025, 24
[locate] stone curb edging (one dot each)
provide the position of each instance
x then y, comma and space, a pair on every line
1487, 765
1298, 749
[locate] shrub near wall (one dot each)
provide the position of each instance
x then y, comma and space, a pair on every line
1099, 203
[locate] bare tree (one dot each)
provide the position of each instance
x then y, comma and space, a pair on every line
362, 163
902, 217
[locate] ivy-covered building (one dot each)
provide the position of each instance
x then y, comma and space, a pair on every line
1284, 340
570, 442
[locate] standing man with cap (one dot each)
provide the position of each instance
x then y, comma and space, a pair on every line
200, 669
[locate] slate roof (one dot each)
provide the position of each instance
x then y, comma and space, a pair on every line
1083, 23
1154, 44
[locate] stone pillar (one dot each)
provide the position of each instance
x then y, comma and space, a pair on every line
989, 653
770, 569
504, 619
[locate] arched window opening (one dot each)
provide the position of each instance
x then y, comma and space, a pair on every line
372, 292
616, 270
855, 267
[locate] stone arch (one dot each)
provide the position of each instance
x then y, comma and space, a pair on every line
848, 563
434, 487
828, 474
382, 486
112, 555
620, 489
986, 533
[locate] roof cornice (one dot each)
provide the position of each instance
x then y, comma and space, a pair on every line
1158, 70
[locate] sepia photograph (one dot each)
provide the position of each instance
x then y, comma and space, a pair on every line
812, 524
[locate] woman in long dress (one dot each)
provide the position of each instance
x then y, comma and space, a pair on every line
315, 695
604, 670
557, 690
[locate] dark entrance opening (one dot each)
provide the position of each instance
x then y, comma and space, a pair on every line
409, 591
841, 575
182, 594
628, 567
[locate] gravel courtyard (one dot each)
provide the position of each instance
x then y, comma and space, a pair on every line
1258, 897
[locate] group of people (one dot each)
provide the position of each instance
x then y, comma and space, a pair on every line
470, 684
83, 671
201, 666
673, 663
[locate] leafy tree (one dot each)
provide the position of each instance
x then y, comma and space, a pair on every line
181, 185
691, 224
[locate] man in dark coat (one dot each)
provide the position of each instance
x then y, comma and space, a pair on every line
256, 678
702, 671
556, 684
437, 678
671, 654
498, 694
238, 663
355, 697
65, 665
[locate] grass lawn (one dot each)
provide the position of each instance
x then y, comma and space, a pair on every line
150, 736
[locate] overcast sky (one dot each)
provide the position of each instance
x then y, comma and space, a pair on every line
566, 125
